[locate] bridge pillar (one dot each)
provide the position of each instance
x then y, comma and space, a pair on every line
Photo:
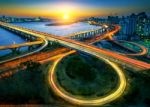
85, 35
93, 33
99, 31
15, 50
96, 32
79, 36
50, 42
90, 34
32, 38
36, 46
82, 34
30, 48
13, 30
72, 37
21, 33
75, 37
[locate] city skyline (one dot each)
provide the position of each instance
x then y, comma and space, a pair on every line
72, 8
75, 53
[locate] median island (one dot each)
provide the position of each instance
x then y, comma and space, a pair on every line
78, 77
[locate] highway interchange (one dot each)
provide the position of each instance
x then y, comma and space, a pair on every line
86, 47
84, 101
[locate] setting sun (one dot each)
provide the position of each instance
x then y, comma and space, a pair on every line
66, 16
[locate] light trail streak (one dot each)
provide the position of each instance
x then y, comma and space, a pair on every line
84, 101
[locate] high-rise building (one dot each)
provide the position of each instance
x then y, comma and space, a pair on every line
128, 26
132, 21
113, 19
143, 26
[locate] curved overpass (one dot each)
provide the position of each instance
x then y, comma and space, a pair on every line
143, 51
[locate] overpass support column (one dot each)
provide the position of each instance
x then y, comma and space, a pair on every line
30, 48
50, 42
92, 34
86, 34
80, 36
96, 31
15, 50
99, 31
89, 34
